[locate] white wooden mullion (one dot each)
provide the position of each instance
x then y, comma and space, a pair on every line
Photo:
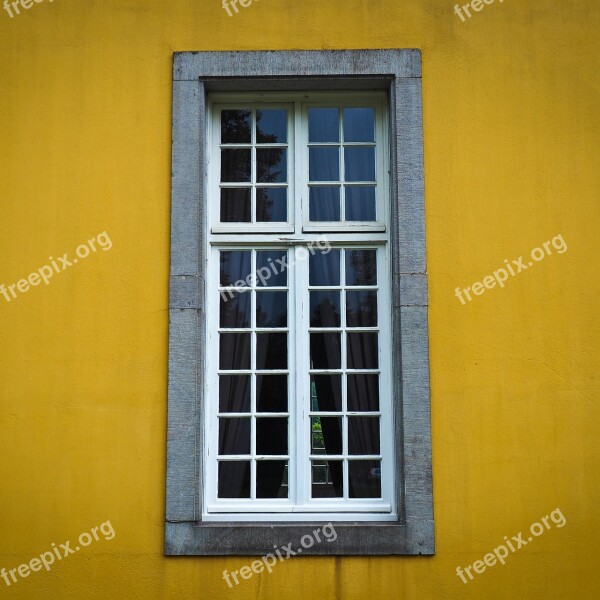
344, 365
253, 342
302, 392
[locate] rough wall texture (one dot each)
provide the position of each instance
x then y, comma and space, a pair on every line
511, 136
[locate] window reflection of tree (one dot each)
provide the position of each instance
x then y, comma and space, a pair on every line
362, 262
366, 313
267, 162
270, 163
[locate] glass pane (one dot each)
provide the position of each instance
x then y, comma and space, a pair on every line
271, 393
272, 435
326, 393
362, 351
324, 268
234, 267
326, 435
327, 479
271, 205
234, 436
361, 308
234, 479
271, 351
359, 125
359, 163
235, 310
234, 393
234, 351
235, 126
364, 477
271, 309
325, 351
363, 435
271, 165
361, 267
271, 268
323, 125
325, 308
271, 480
324, 204
317, 443
271, 126
324, 163
363, 393
235, 205
235, 165
360, 203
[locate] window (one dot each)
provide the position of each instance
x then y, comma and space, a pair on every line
298, 370
299, 419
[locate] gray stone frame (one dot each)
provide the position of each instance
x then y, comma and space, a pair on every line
194, 74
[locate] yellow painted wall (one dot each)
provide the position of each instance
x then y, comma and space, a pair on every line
511, 160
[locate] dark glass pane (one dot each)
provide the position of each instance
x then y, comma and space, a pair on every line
235, 165
364, 477
361, 267
271, 393
323, 125
235, 310
271, 126
360, 203
363, 435
325, 308
234, 351
324, 203
271, 351
271, 309
359, 163
271, 268
234, 393
325, 351
235, 205
327, 479
359, 125
324, 268
234, 436
362, 350
363, 393
235, 126
324, 163
326, 393
234, 479
272, 435
271, 165
234, 267
326, 435
271, 205
361, 308
271, 480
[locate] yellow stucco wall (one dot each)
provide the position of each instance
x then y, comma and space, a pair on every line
511, 160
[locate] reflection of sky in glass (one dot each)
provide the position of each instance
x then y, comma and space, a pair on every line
323, 125
324, 163
271, 126
359, 163
359, 125
324, 204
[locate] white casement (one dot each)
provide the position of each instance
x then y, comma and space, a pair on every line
299, 418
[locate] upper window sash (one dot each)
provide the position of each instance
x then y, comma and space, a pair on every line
298, 182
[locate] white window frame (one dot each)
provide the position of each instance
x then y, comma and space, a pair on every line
375, 235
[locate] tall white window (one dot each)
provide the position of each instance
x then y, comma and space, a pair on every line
299, 413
